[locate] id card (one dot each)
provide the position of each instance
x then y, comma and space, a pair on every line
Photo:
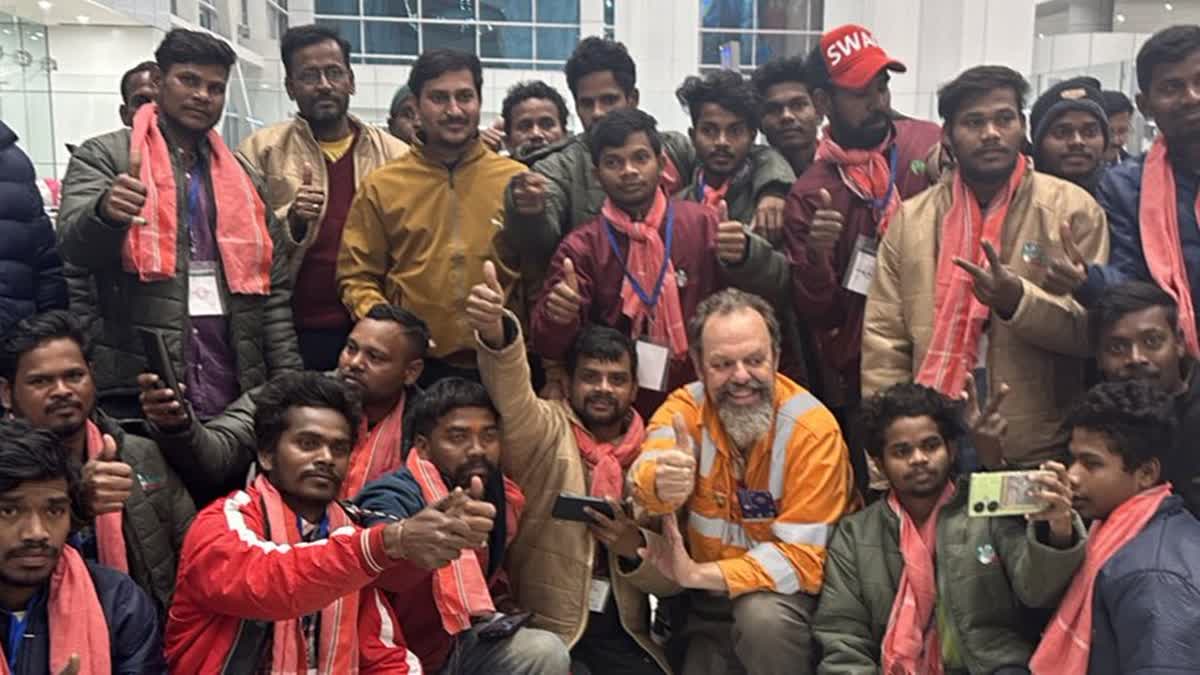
653, 361
598, 594
204, 291
861, 270
756, 504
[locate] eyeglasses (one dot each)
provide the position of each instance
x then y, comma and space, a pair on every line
334, 74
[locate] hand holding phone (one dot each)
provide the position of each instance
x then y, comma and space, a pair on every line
1005, 493
570, 507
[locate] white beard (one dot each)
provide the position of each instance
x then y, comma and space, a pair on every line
745, 425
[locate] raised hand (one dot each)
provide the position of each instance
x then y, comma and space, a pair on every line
123, 202
529, 193
433, 537
485, 307
493, 137
1054, 488
306, 207
731, 237
669, 554
1069, 271
827, 224
768, 218
987, 427
620, 533
107, 481
564, 303
160, 405
675, 469
997, 287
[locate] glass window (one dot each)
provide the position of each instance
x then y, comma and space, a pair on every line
506, 10
710, 47
610, 12
727, 13
457, 36
790, 14
556, 44
400, 8
505, 42
455, 10
347, 29
390, 37
337, 7
558, 11
775, 46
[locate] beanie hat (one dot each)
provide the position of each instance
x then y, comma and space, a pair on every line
1077, 93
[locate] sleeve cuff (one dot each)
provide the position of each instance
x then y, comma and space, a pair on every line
375, 558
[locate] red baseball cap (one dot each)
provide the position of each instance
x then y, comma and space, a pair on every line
853, 56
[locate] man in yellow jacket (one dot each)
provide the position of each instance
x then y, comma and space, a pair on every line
762, 473
421, 227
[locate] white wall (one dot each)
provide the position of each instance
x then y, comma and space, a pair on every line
664, 40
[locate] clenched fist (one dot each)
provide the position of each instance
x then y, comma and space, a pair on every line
529, 193
675, 470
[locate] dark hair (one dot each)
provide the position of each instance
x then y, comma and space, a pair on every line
615, 128
414, 327
1124, 299
143, 67
816, 73
596, 55
978, 81
1135, 415
434, 63
603, 343
724, 88
1169, 45
777, 71
306, 389
299, 37
523, 91
33, 331
445, 396
1116, 102
30, 454
907, 400
190, 46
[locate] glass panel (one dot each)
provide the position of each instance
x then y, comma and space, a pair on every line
505, 42
790, 14
556, 44
337, 7
727, 13
610, 12
386, 60
390, 37
458, 10
456, 36
506, 10
775, 46
401, 8
347, 29
558, 11
710, 47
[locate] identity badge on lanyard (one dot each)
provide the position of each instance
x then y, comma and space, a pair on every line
653, 359
204, 290
861, 270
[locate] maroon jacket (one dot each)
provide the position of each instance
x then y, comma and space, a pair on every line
833, 314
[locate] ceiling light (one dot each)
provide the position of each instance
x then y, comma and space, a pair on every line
83, 18
1120, 18
1168, 6
1041, 36
45, 5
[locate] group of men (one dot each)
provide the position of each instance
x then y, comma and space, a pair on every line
456, 400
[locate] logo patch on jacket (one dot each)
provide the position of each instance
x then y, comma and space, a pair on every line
1033, 253
151, 483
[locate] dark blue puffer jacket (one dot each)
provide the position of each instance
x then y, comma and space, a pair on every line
31, 275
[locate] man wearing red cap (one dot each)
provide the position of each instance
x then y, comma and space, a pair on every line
868, 160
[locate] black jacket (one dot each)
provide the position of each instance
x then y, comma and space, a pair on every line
31, 278
1183, 465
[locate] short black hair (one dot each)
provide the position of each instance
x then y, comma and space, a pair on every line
299, 37
978, 81
777, 71
603, 343
1135, 415
724, 88
31, 454
1169, 45
445, 396
414, 327
434, 63
596, 55
143, 67
1116, 102
816, 73
1124, 299
523, 91
615, 128
907, 400
191, 46
306, 389
34, 331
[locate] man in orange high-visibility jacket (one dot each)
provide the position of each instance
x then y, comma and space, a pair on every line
769, 480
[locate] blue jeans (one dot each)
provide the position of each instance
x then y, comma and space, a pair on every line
529, 651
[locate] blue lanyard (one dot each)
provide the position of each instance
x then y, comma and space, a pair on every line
649, 300
322, 528
701, 186
881, 204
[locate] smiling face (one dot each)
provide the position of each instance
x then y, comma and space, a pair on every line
1073, 147
602, 391
722, 140
312, 456
916, 458
192, 95
320, 82
737, 363
35, 520
53, 387
448, 107
1143, 345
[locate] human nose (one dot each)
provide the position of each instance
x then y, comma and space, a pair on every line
33, 529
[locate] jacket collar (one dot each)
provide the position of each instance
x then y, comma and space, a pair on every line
476, 150
356, 125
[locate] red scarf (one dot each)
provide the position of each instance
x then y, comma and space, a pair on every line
645, 259
1159, 226
337, 652
958, 315
460, 590
77, 622
110, 537
377, 453
1067, 642
865, 172
712, 196
608, 461
242, 236
911, 645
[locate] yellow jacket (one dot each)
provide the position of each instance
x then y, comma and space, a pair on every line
417, 236
803, 463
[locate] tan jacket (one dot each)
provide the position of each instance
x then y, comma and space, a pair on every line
550, 561
1039, 352
279, 152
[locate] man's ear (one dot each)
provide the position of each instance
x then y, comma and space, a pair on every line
822, 102
287, 86
1148, 474
5, 393
412, 372
634, 98
1143, 106
266, 460
353, 86
421, 445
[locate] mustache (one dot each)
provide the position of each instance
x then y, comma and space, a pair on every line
601, 398
472, 467
726, 390
1139, 371
63, 405
39, 549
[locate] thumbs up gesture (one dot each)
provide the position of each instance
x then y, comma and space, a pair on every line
675, 469
826, 226
123, 202
731, 237
564, 302
485, 308
306, 207
1069, 271
107, 481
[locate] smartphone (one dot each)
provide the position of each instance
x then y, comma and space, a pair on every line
570, 507
504, 625
159, 362
1004, 493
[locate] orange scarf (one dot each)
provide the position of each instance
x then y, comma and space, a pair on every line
1158, 222
110, 537
377, 452
958, 315
866, 173
338, 649
645, 259
711, 196
1067, 642
459, 589
77, 622
242, 236
608, 461
911, 645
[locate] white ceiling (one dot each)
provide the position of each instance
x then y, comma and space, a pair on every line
67, 12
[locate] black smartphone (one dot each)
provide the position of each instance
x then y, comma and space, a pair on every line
570, 507
158, 360
504, 626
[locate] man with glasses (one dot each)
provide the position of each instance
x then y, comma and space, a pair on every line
313, 165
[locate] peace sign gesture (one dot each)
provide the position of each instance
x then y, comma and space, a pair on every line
997, 287
987, 427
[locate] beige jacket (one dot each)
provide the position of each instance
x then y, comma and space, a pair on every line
1039, 352
279, 152
550, 561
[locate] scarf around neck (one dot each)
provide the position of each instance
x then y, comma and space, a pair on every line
608, 461
867, 173
378, 451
